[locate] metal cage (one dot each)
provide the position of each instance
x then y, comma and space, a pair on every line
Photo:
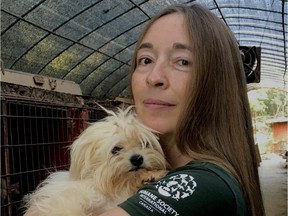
34, 141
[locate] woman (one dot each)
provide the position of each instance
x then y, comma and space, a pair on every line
188, 83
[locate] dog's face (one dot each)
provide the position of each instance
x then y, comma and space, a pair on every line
115, 148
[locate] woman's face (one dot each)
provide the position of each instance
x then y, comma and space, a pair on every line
163, 72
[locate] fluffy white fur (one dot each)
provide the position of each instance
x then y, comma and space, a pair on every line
102, 173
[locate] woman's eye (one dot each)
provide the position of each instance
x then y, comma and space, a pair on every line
116, 150
184, 62
144, 61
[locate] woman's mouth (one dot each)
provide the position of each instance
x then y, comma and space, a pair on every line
155, 103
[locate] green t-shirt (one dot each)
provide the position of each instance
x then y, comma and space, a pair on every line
197, 189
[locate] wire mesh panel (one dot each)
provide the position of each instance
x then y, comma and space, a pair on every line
34, 141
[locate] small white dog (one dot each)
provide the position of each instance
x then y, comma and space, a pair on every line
110, 161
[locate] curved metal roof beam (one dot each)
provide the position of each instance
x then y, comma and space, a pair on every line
105, 45
274, 64
98, 49
284, 36
270, 67
257, 25
23, 15
47, 30
119, 87
94, 70
229, 6
251, 17
271, 58
259, 34
261, 41
60, 36
271, 49
112, 80
95, 50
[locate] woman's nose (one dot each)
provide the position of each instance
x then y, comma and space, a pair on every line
157, 77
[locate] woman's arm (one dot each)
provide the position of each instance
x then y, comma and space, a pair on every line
115, 212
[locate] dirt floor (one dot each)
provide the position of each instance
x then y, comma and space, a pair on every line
273, 178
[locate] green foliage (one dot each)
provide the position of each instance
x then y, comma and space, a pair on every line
266, 104
269, 102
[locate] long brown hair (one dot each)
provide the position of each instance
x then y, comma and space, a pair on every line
216, 124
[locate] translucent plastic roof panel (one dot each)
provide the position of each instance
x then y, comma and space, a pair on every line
63, 63
99, 75
111, 80
86, 66
17, 40
39, 55
91, 42
261, 24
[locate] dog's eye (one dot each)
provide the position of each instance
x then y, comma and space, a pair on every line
115, 150
147, 145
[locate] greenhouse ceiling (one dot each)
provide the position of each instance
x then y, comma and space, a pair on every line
91, 42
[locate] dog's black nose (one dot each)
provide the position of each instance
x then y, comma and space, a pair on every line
137, 160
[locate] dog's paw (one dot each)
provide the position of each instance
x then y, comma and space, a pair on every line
147, 181
153, 176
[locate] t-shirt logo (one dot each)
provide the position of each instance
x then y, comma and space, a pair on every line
177, 187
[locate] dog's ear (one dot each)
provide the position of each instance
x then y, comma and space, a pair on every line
77, 157
83, 151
